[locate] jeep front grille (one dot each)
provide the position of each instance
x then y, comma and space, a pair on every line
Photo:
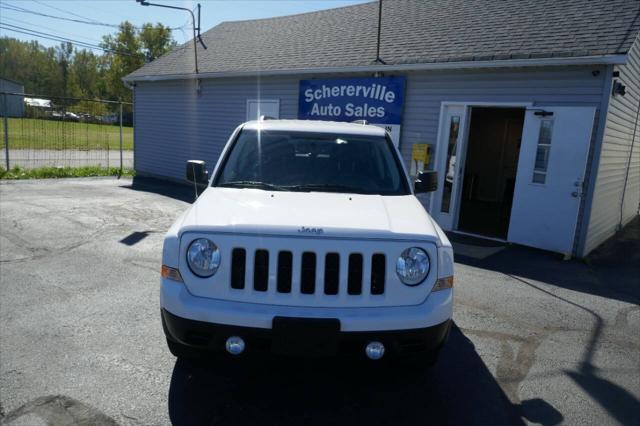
312, 279
300, 271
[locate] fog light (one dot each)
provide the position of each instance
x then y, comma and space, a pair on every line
374, 350
234, 345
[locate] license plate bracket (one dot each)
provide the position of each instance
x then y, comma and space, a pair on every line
305, 336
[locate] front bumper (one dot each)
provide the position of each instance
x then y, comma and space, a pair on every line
212, 337
436, 309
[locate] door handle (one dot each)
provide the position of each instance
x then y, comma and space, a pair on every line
578, 192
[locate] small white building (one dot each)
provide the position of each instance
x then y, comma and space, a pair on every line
38, 103
529, 108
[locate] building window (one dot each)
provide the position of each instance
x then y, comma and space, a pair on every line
260, 107
542, 153
450, 165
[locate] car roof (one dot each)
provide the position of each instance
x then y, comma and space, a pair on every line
315, 126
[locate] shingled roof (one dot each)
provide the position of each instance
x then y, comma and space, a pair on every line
413, 32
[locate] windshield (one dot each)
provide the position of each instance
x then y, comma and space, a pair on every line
304, 161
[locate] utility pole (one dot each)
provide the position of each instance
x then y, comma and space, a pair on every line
193, 21
378, 59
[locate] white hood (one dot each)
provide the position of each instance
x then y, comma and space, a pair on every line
295, 213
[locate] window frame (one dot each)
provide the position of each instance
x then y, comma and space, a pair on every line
547, 147
261, 101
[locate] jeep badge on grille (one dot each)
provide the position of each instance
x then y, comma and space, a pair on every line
305, 230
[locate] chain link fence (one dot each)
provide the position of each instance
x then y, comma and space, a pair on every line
44, 131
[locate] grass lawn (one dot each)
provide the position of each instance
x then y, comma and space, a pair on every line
33, 133
61, 172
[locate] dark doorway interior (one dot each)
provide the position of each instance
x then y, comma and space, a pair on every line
490, 170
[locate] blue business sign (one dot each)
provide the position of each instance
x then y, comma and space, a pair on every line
377, 100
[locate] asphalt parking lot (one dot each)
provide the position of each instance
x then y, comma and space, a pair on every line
537, 339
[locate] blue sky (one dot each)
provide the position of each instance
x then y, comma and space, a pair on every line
116, 11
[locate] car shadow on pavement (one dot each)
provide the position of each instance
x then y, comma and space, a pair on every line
169, 189
611, 271
459, 390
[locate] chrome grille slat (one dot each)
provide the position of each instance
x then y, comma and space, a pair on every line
366, 276
344, 271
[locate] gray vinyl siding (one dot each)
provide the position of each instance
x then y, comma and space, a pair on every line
608, 202
14, 103
175, 124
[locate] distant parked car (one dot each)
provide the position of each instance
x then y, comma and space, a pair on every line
88, 118
109, 118
71, 116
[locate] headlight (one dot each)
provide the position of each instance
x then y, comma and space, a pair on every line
413, 266
203, 257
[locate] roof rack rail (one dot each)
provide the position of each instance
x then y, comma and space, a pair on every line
363, 122
266, 117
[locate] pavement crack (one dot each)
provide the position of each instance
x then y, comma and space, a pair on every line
135, 420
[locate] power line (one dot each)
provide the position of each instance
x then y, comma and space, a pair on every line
80, 21
32, 12
54, 37
121, 16
19, 21
64, 11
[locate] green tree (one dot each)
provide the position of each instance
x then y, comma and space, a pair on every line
123, 57
63, 71
64, 53
31, 64
156, 41
86, 75
130, 49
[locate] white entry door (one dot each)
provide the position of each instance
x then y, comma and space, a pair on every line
450, 163
549, 181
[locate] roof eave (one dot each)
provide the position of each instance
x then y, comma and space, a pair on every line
505, 63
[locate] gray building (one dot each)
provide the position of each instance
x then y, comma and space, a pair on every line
14, 103
528, 109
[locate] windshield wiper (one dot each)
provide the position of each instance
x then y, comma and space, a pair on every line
326, 187
252, 184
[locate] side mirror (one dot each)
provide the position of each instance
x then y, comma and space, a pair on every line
426, 181
197, 172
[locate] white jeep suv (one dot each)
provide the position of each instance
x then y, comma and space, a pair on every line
308, 239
